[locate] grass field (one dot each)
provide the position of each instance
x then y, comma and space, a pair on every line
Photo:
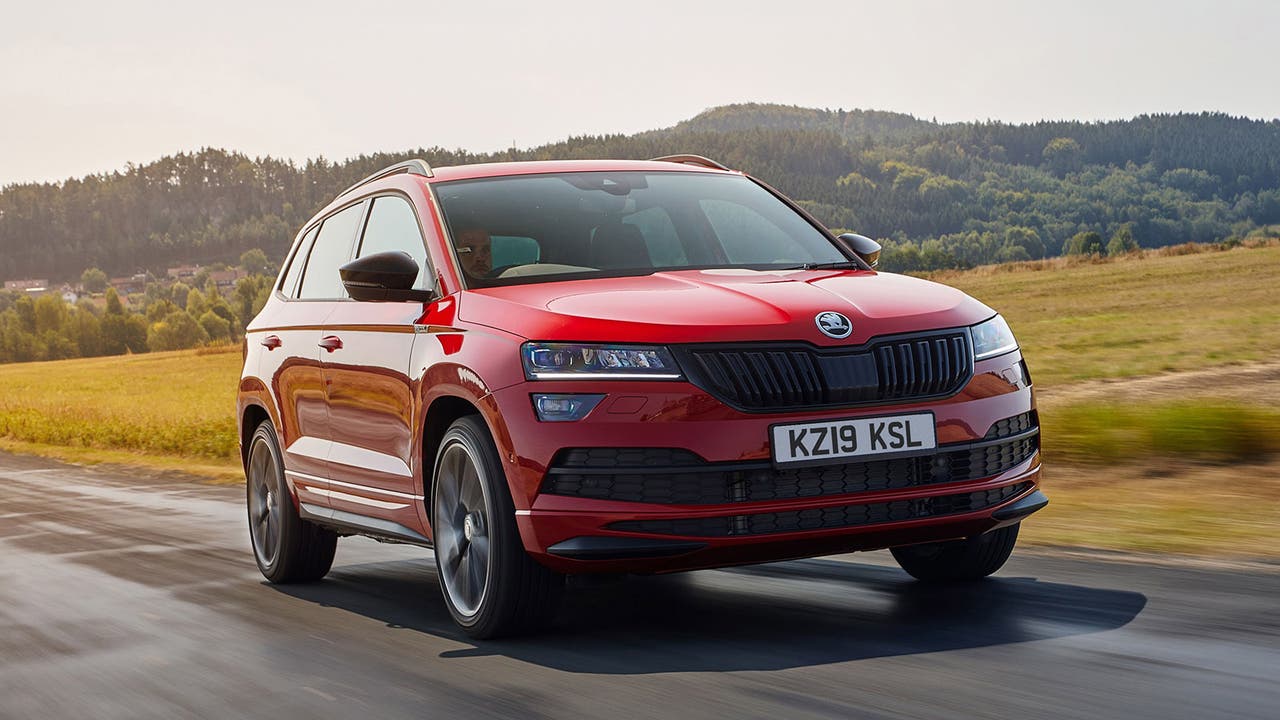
1141, 316
1152, 470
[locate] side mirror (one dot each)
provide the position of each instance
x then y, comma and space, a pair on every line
384, 277
865, 248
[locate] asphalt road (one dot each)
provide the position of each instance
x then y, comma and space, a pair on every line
137, 597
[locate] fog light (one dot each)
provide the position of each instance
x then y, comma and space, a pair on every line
563, 407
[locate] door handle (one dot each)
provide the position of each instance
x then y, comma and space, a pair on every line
271, 342
331, 343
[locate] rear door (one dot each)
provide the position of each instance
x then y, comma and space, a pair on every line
368, 384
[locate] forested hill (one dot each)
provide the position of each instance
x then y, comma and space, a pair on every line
943, 195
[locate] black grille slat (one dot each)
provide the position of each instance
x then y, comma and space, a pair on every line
828, 518
772, 378
675, 476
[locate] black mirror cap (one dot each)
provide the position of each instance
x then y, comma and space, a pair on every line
383, 277
865, 248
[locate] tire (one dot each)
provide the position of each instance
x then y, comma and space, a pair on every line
958, 560
489, 583
287, 548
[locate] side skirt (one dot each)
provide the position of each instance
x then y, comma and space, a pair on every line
351, 523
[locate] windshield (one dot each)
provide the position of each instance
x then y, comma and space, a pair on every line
539, 228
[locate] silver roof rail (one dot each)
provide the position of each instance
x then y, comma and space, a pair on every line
692, 160
413, 167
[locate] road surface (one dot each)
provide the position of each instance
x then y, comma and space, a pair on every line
131, 597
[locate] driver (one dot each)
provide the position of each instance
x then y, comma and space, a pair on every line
474, 251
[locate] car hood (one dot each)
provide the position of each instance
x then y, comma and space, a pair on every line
721, 306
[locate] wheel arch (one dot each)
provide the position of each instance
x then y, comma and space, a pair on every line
442, 413
250, 419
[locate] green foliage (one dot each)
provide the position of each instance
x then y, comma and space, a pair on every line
114, 306
217, 328
1108, 433
1062, 155
1122, 242
93, 280
255, 262
1084, 243
177, 331
1175, 178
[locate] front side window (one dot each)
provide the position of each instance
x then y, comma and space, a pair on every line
393, 225
577, 225
332, 249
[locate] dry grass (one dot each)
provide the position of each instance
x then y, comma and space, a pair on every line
1145, 316
179, 404
1165, 507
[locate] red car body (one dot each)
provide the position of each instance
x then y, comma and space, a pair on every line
360, 393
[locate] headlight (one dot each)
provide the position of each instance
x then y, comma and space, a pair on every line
992, 338
574, 361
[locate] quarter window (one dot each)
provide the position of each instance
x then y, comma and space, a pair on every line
289, 283
393, 225
320, 281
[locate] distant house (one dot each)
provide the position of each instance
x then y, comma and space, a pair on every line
227, 278
32, 286
184, 272
69, 295
133, 284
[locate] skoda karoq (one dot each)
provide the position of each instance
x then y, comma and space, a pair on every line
550, 368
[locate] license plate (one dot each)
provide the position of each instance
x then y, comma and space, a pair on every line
818, 442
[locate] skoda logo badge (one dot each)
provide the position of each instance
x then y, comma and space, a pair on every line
833, 324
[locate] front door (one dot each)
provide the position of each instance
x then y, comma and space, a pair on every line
366, 372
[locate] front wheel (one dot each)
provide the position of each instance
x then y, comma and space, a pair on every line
957, 560
490, 584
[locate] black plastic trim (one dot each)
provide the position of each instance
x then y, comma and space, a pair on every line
1022, 508
768, 464
594, 547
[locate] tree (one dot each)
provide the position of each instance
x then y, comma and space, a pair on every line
51, 314
179, 293
1122, 241
255, 262
177, 331
1062, 155
93, 280
114, 306
216, 327
1084, 243
195, 305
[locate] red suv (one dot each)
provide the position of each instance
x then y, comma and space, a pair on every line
550, 368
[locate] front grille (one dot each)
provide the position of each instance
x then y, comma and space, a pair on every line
772, 377
678, 477
827, 518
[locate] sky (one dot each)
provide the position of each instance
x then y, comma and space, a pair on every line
89, 87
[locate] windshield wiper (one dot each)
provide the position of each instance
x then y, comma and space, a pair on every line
837, 265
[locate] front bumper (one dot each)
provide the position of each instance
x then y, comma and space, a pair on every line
667, 520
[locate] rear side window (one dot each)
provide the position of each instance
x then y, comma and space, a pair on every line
393, 225
320, 280
289, 283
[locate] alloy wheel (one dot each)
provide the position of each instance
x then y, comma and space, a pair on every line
264, 504
462, 524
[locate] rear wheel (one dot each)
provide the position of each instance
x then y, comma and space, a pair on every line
287, 548
490, 584
956, 560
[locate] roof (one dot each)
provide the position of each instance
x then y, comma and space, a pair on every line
485, 170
